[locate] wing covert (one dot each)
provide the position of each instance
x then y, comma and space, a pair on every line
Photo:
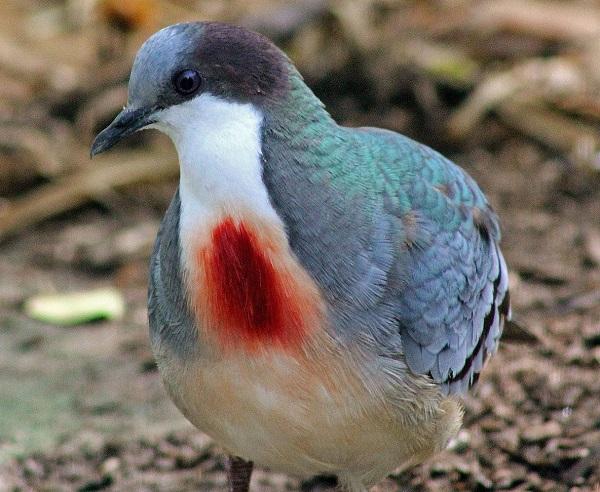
454, 294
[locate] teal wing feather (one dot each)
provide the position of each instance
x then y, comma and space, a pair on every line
449, 282
401, 241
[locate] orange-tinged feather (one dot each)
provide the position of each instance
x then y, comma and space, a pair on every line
251, 292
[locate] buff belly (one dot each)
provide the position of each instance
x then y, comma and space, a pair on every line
271, 383
277, 412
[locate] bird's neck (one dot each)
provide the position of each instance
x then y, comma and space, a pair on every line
221, 183
298, 124
222, 151
220, 158
247, 288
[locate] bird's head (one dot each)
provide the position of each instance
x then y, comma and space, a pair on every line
184, 67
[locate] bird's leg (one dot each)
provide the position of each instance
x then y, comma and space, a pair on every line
320, 483
238, 474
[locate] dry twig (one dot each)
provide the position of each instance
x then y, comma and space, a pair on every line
114, 171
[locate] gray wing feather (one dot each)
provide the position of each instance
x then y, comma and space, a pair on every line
406, 254
171, 323
454, 296
451, 315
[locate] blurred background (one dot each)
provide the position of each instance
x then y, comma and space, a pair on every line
509, 89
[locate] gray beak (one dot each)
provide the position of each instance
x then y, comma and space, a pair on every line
127, 122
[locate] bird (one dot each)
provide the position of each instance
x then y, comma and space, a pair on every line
320, 297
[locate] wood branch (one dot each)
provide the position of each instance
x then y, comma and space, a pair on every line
558, 21
111, 171
566, 135
28, 65
34, 144
486, 96
583, 104
534, 80
517, 333
443, 63
101, 107
285, 19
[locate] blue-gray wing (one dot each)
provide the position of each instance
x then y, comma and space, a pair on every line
451, 291
402, 244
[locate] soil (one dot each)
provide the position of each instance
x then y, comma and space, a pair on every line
82, 408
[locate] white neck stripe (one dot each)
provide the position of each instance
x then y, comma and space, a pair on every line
219, 147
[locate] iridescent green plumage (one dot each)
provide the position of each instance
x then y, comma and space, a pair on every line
401, 240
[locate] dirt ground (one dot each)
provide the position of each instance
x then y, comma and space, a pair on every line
86, 410
82, 408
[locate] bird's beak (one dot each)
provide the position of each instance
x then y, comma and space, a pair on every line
127, 122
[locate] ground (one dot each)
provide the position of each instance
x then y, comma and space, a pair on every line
83, 407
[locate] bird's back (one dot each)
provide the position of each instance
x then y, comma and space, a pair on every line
404, 245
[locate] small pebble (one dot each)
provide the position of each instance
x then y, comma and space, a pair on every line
110, 466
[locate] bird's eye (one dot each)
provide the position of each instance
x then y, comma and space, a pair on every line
187, 82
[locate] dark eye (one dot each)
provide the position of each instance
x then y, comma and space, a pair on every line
187, 82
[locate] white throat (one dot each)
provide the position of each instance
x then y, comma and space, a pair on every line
219, 148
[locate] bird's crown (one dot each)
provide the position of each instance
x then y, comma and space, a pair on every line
227, 61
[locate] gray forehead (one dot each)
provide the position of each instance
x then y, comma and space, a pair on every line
159, 57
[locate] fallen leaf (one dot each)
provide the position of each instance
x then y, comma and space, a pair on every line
75, 308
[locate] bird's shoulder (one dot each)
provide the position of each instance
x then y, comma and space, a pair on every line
412, 176
448, 281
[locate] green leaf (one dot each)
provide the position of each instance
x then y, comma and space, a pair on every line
76, 308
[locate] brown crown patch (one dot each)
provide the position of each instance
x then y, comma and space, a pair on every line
241, 63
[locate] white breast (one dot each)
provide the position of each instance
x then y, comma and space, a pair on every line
219, 148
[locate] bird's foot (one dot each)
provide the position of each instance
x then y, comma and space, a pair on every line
239, 473
320, 483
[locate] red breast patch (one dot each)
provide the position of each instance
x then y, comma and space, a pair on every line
251, 294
